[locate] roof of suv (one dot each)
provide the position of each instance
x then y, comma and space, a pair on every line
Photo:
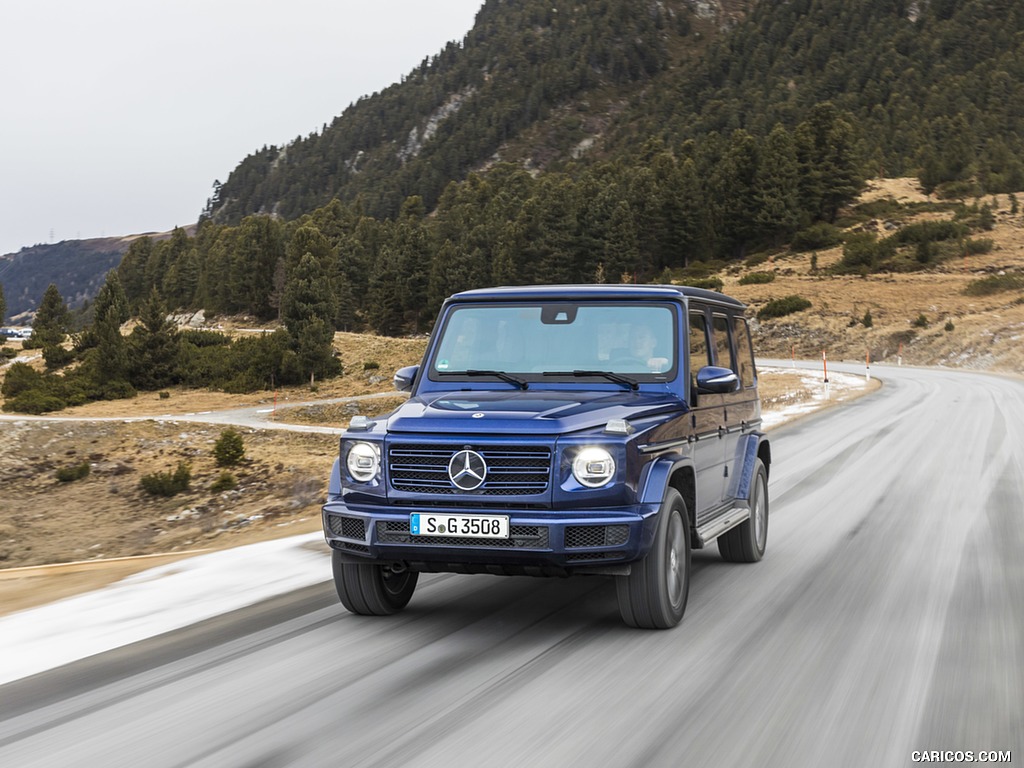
592, 292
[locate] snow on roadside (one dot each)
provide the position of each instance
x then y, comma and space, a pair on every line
840, 386
176, 595
157, 600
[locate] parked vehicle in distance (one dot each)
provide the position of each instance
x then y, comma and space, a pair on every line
559, 431
16, 333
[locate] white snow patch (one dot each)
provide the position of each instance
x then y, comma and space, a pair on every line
813, 381
155, 601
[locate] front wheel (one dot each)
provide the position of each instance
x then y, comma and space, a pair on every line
654, 594
372, 590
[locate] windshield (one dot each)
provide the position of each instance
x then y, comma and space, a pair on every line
571, 339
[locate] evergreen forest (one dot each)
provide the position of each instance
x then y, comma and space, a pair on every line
597, 141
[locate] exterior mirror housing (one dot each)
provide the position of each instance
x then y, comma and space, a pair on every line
717, 381
404, 377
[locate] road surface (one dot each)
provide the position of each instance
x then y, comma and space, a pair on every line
887, 618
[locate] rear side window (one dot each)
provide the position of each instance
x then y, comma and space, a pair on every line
699, 350
723, 352
744, 352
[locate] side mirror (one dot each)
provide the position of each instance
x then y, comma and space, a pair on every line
717, 381
404, 377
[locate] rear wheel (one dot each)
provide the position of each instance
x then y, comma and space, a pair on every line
654, 595
746, 542
372, 590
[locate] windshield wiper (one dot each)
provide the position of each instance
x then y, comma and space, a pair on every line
506, 377
618, 378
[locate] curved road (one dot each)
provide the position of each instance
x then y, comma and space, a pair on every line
886, 618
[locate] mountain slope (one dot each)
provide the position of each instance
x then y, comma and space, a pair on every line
937, 86
76, 267
519, 64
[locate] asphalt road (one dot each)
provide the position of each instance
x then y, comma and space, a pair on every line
887, 617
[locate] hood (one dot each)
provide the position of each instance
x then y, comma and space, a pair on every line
545, 412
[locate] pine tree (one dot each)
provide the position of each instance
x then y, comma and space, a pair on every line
132, 270
154, 347
776, 205
52, 320
308, 309
829, 168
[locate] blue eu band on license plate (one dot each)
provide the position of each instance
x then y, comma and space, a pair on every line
459, 526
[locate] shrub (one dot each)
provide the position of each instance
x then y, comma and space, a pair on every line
709, 283
821, 235
920, 322
369, 365
757, 278
226, 482
974, 247
20, 377
928, 231
956, 190
884, 207
74, 472
863, 252
868, 320
165, 395
168, 483
949, 326
986, 286
229, 448
35, 402
201, 338
782, 307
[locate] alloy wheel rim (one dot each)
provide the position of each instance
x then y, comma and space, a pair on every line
676, 571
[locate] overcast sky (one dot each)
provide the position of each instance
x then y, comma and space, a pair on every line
116, 116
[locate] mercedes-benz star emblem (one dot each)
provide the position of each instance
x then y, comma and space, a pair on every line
467, 470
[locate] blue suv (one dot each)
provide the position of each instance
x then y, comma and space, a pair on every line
557, 431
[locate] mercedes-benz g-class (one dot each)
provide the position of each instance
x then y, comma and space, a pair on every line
557, 431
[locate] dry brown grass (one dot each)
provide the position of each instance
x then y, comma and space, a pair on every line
987, 330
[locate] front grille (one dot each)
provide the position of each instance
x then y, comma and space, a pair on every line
520, 536
348, 527
579, 536
511, 471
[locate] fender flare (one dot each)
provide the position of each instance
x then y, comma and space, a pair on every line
751, 452
658, 476
334, 484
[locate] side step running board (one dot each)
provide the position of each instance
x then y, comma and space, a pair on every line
711, 530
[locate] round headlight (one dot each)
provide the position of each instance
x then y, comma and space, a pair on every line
593, 467
363, 461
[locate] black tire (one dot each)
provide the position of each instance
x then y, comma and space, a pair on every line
654, 595
372, 590
746, 542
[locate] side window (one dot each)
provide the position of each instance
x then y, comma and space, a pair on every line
723, 354
744, 352
699, 350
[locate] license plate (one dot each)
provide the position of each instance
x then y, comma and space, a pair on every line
460, 526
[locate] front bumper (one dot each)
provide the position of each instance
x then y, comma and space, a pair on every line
553, 541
